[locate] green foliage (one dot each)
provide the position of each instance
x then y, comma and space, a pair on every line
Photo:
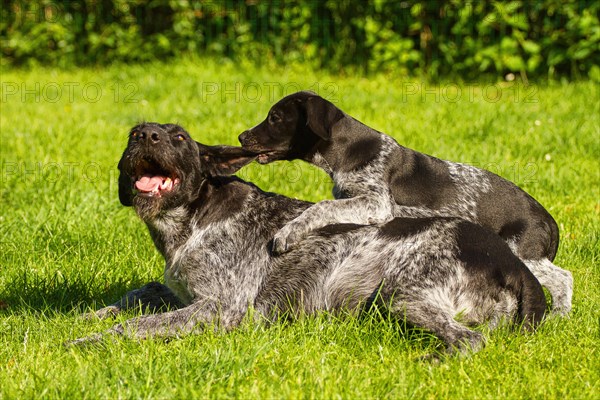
67, 245
545, 38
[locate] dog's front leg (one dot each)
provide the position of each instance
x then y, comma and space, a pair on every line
152, 297
193, 319
363, 210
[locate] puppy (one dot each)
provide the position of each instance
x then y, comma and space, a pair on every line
214, 231
376, 180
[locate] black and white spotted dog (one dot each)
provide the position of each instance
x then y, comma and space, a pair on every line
376, 179
214, 232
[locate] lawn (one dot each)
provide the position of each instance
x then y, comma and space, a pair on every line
67, 245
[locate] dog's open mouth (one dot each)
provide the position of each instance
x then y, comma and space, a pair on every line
154, 181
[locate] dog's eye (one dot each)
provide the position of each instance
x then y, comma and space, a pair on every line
274, 118
134, 134
180, 137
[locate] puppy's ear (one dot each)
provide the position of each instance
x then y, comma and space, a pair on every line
125, 188
321, 115
224, 160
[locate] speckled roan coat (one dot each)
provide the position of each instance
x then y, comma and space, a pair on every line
376, 179
214, 232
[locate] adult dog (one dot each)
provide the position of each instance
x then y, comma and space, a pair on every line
376, 179
214, 231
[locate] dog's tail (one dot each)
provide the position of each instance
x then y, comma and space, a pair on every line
554, 238
532, 301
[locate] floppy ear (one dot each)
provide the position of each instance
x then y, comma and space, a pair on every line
321, 115
125, 188
224, 160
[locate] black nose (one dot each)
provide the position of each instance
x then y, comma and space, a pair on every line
153, 136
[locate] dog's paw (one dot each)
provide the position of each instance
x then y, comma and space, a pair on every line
469, 343
560, 310
103, 313
562, 295
96, 338
284, 241
279, 246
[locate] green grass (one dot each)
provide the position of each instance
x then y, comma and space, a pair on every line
67, 245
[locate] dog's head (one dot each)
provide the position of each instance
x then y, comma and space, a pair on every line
163, 167
293, 129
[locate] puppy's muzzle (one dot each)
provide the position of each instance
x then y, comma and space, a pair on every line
244, 138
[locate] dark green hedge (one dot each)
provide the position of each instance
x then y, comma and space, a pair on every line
545, 38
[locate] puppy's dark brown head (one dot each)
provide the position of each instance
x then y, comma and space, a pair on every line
163, 167
293, 128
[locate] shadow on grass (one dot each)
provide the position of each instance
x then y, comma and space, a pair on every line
62, 294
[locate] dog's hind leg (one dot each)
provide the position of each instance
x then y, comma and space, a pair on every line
153, 297
558, 281
433, 317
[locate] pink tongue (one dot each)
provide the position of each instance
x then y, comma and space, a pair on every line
149, 183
